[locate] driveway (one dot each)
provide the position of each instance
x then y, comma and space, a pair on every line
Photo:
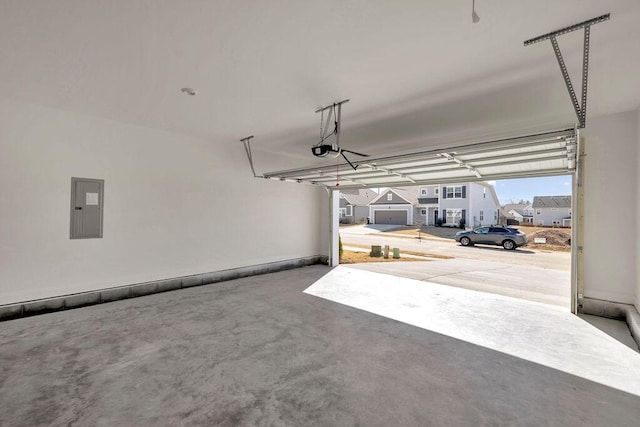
530, 283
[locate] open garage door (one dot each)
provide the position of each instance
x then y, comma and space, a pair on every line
390, 217
543, 154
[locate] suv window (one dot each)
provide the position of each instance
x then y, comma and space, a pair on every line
497, 230
483, 230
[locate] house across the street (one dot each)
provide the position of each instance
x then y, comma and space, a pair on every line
552, 210
476, 203
354, 205
521, 212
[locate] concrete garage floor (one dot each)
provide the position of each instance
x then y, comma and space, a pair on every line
261, 351
617, 329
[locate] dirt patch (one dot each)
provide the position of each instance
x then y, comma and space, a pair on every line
350, 257
556, 239
528, 229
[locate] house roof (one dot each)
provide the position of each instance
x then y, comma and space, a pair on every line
410, 194
360, 198
551, 202
517, 207
505, 213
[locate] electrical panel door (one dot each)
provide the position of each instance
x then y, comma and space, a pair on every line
86, 208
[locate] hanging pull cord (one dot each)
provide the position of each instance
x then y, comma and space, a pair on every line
335, 132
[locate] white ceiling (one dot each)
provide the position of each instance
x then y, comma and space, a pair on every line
418, 73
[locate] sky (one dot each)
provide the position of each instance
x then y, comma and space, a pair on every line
513, 190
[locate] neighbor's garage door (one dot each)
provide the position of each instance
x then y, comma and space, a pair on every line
390, 217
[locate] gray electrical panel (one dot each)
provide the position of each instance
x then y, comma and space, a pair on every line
87, 196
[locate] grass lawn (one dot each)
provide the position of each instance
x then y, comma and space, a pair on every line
403, 252
350, 257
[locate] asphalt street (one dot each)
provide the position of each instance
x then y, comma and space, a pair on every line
521, 256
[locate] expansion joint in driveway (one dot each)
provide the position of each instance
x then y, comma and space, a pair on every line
465, 272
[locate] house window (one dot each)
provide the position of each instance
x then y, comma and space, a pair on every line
343, 212
349, 211
424, 191
389, 197
481, 215
423, 212
454, 192
569, 212
495, 216
454, 215
437, 191
537, 211
484, 196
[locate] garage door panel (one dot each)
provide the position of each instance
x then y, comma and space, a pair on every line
543, 154
390, 217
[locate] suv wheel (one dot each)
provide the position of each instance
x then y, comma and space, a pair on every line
509, 245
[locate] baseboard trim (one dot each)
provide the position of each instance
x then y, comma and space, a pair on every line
613, 310
83, 299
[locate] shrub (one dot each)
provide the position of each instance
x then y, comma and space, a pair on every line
439, 222
462, 224
340, 246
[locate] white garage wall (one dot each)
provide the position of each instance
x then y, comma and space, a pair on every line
637, 217
610, 210
174, 205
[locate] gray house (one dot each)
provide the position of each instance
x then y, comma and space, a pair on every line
474, 202
521, 212
552, 210
354, 205
394, 206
